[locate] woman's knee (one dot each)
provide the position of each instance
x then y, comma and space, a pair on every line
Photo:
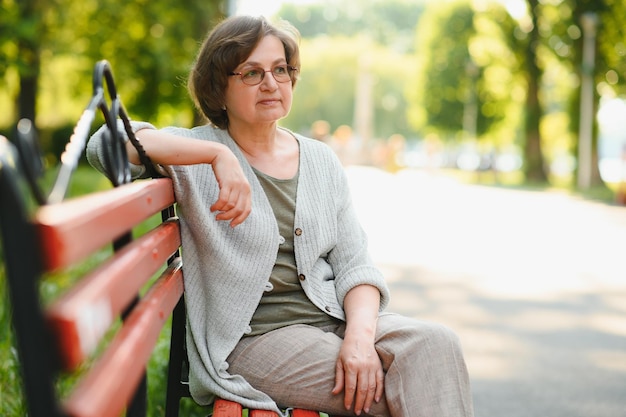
442, 336
399, 332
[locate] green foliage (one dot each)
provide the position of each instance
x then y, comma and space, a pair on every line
327, 88
351, 42
151, 46
390, 23
441, 85
468, 84
11, 401
160, 44
471, 61
157, 381
612, 46
563, 35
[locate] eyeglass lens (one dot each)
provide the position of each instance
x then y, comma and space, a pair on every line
254, 76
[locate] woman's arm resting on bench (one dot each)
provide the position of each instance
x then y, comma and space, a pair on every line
234, 202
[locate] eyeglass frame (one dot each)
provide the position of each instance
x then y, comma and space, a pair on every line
290, 69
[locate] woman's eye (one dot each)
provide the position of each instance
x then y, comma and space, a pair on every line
252, 73
281, 69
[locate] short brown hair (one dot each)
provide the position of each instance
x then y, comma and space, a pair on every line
228, 45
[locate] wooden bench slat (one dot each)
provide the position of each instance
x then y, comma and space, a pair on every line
226, 408
83, 315
108, 386
305, 413
262, 413
73, 229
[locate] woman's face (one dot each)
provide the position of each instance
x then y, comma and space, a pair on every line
267, 101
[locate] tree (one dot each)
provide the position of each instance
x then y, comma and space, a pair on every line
608, 33
24, 22
150, 45
562, 35
611, 71
468, 84
534, 167
441, 84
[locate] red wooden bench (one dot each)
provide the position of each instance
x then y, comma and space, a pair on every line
104, 328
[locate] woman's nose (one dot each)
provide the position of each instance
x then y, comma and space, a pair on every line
269, 82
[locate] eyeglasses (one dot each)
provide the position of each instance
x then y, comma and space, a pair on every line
255, 75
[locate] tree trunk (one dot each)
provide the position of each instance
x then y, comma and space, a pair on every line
588, 64
27, 99
534, 168
29, 67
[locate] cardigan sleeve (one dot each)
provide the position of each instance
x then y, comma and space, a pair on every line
350, 257
332, 249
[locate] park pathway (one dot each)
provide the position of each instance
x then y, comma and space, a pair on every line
534, 283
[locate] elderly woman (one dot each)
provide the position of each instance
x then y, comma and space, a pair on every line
285, 307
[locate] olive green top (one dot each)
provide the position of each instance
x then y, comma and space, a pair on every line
284, 302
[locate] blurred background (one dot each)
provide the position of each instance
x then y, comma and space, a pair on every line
528, 89
495, 128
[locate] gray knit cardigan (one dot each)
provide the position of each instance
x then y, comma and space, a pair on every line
226, 270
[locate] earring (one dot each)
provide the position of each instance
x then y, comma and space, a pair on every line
224, 108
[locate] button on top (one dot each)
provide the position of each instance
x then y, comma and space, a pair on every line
302, 277
298, 231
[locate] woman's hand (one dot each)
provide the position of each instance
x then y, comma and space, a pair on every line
359, 371
235, 201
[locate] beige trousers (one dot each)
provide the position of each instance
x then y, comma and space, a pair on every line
425, 373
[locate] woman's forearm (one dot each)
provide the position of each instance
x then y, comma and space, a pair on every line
167, 149
234, 202
361, 306
359, 371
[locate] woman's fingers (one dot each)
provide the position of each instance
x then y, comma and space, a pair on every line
233, 205
362, 386
235, 198
366, 388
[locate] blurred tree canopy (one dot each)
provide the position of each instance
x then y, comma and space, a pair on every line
469, 83
49, 49
497, 76
349, 43
459, 70
332, 68
387, 22
559, 43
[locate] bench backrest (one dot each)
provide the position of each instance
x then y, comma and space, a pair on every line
139, 284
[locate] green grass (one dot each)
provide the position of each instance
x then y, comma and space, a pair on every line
11, 401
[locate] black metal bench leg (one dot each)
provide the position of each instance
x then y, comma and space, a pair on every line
177, 387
